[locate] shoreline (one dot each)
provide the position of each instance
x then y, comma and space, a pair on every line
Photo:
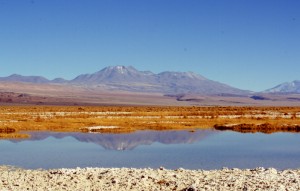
14, 178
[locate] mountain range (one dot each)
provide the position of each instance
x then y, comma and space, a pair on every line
120, 85
132, 80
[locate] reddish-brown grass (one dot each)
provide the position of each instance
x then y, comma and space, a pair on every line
14, 119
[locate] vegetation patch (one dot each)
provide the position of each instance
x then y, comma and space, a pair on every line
7, 130
117, 119
263, 128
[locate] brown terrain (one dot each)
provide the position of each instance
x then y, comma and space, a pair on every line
57, 94
16, 93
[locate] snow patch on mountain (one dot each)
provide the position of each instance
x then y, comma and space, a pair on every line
287, 87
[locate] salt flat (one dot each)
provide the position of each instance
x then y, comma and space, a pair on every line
12, 178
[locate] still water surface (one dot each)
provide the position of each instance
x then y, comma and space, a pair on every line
202, 149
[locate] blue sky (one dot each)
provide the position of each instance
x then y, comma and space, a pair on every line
249, 44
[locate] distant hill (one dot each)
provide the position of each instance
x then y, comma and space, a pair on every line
59, 80
287, 87
31, 79
28, 79
132, 80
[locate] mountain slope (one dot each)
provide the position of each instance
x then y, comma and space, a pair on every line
188, 82
287, 87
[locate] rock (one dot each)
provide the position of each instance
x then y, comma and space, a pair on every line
190, 188
271, 170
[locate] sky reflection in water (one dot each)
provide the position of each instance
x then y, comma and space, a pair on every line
202, 149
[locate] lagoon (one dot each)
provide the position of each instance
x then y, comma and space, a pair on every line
199, 149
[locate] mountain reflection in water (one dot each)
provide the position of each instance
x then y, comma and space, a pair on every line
128, 141
202, 149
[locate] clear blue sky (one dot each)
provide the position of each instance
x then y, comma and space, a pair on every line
249, 44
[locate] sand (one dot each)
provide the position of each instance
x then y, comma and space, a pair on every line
12, 178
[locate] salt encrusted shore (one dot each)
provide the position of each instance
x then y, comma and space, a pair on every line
12, 178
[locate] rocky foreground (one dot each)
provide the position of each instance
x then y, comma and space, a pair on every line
12, 178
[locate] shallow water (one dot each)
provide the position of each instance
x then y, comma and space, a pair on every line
202, 149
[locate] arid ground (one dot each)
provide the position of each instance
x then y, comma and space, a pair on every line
17, 93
